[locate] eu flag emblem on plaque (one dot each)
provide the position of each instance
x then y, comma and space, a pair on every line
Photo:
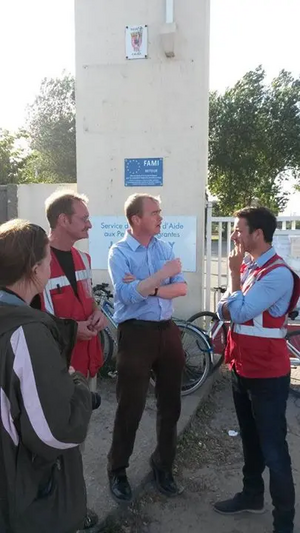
144, 172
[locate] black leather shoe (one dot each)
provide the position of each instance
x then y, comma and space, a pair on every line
165, 481
90, 520
119, 487
240, 503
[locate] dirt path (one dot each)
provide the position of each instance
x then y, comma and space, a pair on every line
209, 466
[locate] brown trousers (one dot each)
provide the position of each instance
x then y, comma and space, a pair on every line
142, 347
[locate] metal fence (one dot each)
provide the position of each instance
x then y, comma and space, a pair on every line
219, 245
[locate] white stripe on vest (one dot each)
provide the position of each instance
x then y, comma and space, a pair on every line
86, 263
62, 281
82, 275
56, 283
258, 330
86, 274
253, 331
254, 277
48, 301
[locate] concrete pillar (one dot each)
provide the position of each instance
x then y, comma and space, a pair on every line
155, 107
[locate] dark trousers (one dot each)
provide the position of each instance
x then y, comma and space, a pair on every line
141, 348
261, 410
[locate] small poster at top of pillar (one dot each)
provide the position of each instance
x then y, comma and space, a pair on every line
136, 42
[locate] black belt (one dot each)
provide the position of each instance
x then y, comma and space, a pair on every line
151, 324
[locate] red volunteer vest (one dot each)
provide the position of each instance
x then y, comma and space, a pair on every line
257, 348
60, 300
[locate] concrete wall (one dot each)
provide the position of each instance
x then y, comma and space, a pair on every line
157, 107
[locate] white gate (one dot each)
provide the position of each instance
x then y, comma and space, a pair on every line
218, 246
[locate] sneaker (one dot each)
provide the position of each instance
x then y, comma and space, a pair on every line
240, 504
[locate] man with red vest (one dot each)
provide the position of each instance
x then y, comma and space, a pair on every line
262, 291
68, 293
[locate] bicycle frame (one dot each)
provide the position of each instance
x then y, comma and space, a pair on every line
216, 331
295, 361
108, 310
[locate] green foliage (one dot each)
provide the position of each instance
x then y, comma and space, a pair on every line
11, 158
51, 126
254, 141
46, 151
36, 170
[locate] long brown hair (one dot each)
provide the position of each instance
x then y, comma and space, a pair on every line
22, 245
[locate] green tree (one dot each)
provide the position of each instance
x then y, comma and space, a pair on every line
35, 169
12, 158
254, 141
51, 126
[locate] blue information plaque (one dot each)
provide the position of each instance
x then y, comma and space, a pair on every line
144, 172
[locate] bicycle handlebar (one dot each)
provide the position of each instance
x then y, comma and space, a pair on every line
103, 288
222, 290
293, 314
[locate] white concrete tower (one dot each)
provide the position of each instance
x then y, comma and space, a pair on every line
142, 120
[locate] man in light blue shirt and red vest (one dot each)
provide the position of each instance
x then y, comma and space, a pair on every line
262, 291
146, 277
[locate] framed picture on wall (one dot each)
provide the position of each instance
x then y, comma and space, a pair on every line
136, 42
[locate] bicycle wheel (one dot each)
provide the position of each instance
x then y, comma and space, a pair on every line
197, 351
217, 332
293, 342
107, 345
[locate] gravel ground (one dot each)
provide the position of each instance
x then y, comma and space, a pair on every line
209, 465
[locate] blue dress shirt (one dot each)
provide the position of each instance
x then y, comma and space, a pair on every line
272, 292
128, 256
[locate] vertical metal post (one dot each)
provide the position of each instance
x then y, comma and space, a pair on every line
228, 249
169, 11
220, 254
208, 255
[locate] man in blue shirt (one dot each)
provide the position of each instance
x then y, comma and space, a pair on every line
146, 277
262, 290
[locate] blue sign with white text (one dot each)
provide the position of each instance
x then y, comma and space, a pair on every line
144, 172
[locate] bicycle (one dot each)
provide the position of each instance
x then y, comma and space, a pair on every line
197, 349
293, 342
108, 338
216, 330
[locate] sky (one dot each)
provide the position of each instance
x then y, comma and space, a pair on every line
246, 33
37, 39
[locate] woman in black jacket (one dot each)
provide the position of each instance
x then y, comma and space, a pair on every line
44, 410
